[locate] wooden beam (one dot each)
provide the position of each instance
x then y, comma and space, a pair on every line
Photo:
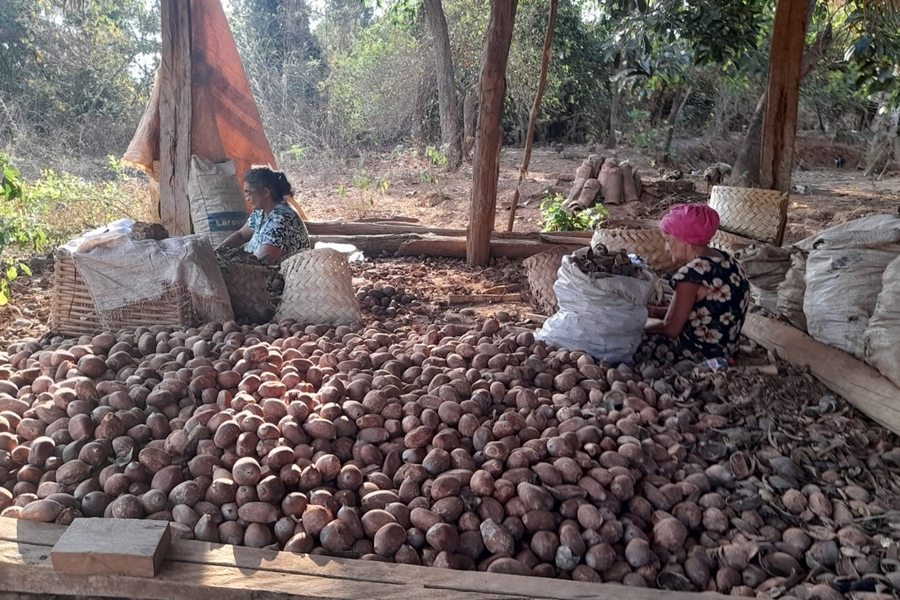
220, 571
489, 134
175, 117
785, 71
862, 386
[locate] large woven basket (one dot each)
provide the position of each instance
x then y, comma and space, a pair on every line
318, 289
72, 310
750, 212
729, 242
542, 269
248, 291
638, 236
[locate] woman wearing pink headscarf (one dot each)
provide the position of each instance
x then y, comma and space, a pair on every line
707, 312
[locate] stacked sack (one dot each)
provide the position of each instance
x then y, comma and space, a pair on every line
847, 280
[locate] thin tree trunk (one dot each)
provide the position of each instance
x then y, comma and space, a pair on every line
470, 105
532, 119
746, 166
677, 107
489, 135
612, 141
446, 84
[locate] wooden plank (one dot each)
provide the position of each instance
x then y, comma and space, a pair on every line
482, 298
457, 247
25, 567
175, 117
489, 586
785, 66
112, 546
862, 386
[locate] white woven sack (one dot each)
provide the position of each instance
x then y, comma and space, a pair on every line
217, 201
882, 349
604, 317
792, 290
318, 289
842, 285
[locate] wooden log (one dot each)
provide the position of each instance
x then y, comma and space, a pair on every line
175, 117
482, 298
785, 71
456, 247
862, 386
489, 136
112, 547
343, 228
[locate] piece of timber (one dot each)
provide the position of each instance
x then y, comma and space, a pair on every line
482, 298
364, 228
862, 386
132, 547
220, 572
456, 247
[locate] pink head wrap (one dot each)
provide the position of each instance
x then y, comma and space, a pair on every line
691, 223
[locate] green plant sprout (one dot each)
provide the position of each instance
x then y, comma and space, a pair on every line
554, 216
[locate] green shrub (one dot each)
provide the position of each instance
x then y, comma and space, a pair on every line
554, 216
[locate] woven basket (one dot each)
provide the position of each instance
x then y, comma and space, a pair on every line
318, 289
248, 291
750, 212
72, 311
729, 242
638, 236
542, 269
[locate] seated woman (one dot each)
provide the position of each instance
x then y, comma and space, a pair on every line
705, 316
273, 231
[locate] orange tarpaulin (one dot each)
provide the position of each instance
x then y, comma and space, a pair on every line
225, 120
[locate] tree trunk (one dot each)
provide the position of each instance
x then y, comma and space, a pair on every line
785, 72
883, 144
611, 141
489, 134
175, 117
532, 118
446, 84
677, 107
470, 105
746, 166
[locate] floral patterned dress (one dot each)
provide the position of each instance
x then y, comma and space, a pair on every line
282, 228
713, 328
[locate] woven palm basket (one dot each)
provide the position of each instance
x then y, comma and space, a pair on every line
318, 289
750, 212
248, 291
637, 236
729, 242
542, 269
72, 311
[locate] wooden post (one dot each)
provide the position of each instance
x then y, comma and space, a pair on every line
785, 70
532, 119
175, 117
489, 134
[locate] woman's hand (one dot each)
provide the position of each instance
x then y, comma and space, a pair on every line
269, 254
238, 238
675, 318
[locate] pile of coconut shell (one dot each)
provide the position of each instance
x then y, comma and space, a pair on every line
598, 262
455, 447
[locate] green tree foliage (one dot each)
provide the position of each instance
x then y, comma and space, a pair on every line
285, 64
75, 78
